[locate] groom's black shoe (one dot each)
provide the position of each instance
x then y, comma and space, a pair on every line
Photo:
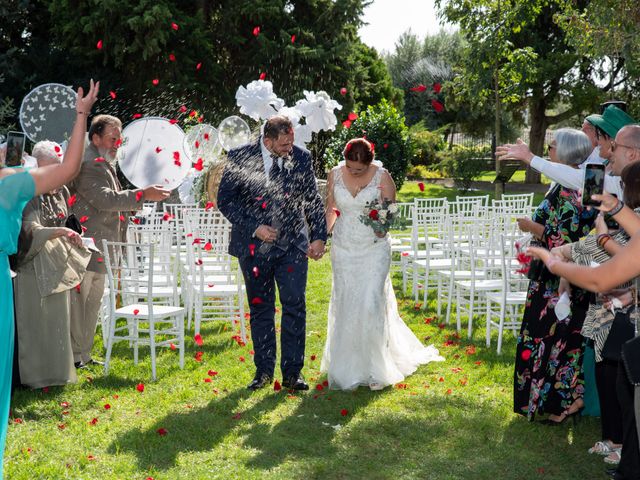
259, 381
295, 382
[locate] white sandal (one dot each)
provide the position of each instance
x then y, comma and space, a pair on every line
614, 457
603, 447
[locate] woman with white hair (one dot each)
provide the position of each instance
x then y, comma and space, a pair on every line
51, 261
548, 374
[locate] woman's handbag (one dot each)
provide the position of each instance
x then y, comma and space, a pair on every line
73, 223
631, 348
622, 330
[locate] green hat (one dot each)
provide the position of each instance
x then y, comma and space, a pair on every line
611, 120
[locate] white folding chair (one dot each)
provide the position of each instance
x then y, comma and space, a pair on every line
504, 307
131, 282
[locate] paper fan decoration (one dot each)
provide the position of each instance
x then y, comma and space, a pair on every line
48, 113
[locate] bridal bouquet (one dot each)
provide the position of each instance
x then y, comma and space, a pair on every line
382, 216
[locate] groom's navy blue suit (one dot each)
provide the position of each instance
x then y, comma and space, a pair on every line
291, 203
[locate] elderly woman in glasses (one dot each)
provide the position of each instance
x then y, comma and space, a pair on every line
548, 368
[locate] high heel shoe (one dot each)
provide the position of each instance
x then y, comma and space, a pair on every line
575, 418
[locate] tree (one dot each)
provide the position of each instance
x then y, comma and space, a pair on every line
199, 51
518, 55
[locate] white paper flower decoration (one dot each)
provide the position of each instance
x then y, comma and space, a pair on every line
317, 109
258, 101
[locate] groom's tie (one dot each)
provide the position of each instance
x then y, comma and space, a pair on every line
274, 173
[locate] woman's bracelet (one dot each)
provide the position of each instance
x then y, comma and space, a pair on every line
82, 113
602, 239
617, 208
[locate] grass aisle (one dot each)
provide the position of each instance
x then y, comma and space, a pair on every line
450, 420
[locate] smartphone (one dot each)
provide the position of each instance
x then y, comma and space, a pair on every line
15, 148
593, 183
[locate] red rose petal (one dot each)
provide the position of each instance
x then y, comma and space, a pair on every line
112, 94
155, 82
72, 200
256, 272
276, 386
77, 287
174, 25
241, 359
137, 116
212, 373
107, 406
437, 106
337, 212
256, 301
319, 387
198, 66
206, 380
199, 165
437, 87
198, 339
208, 246
136, 311
198, 356
525, 355
93, 421
172, 346
172, 57
293, 39
83, 219
262, 76
344, 412
419, 88
252, 249
140, 387
173, 121
421, 186
99, 45
343, 91
139, 195
256, 31
209, 206
99, 159
352, 116
162, 432
62, 426
313, 357
346, 124
448, 392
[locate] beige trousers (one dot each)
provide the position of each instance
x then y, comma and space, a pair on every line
85, 307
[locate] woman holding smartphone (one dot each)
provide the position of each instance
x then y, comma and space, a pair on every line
548, 377
17, 187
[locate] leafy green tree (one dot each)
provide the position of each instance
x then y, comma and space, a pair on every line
519, 56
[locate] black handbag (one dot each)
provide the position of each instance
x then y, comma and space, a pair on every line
631, 349
622, 330
73, 223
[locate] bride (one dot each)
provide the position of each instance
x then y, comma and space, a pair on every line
367, 341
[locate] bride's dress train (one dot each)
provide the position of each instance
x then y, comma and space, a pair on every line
367, 341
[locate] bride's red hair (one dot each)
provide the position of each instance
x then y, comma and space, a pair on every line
359, 150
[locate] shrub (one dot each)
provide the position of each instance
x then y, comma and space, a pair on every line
426, 145
421, 172
384, 126
463, 164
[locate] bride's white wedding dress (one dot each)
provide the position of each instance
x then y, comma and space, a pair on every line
367, 341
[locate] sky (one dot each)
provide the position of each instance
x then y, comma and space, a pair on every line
388, 19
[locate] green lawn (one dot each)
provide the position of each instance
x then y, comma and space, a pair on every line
450, 420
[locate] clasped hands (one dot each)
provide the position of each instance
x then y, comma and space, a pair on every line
268, 234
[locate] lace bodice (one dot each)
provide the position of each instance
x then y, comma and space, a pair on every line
349, 231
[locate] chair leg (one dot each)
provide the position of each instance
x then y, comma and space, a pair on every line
488, 323
439, 299
403, 263
503, 308
181, 339
152, 345
471, 305
459, 309
450, 300
112, 327
135, 341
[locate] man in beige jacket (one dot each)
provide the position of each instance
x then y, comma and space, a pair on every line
103, 208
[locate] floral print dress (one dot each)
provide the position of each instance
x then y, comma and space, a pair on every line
548, 374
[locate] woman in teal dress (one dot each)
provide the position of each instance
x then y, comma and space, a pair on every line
17, 187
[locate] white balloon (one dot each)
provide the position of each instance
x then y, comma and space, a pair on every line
153, 153
48, 112
202, 141
233, 131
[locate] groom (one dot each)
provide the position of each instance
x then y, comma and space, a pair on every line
268, 192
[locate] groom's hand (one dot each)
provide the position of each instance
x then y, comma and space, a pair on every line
316, 250
266, 233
